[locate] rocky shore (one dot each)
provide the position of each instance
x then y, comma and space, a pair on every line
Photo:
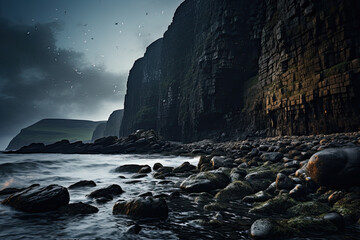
274, 187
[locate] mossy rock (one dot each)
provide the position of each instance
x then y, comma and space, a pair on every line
311, 208
348, 207
310, 225
216, 206
234, 191
276, 205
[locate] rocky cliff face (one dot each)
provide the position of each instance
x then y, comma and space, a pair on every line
113, 123
98, 132
282, 66
109, 128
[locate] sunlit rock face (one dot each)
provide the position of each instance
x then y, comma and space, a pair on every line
286, 67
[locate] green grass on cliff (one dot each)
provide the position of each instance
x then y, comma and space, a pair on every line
52, 130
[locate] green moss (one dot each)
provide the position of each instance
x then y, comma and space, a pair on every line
310, 225
349, 208
336, 69
276, 205
311, 208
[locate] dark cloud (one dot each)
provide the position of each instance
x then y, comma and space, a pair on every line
38, 80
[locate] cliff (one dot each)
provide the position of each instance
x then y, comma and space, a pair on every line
284, 67
98, 132
109, 128
48, 131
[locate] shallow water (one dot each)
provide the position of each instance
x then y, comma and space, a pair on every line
184, 215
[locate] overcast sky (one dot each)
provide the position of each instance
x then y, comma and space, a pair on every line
70, 59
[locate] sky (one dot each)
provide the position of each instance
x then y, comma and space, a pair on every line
71, 58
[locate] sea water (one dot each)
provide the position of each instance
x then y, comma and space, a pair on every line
185, 215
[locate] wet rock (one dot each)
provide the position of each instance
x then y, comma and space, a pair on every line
310, 208
108, 192
134, 229
102, 200
260, 180
298, 192
309, 225
185, 167
261, 229
254, 152
337, 168
39, 199
157, 166
335, 196
8, 191
204, 163
261, 196
215, 206
272, 156
237, 174
203, 198
83, 183
276, 205
165, 170
129, 168
217, 162
145, 169
78, 208
348, 207
139, 175
335, 219
234, 191
283, 182
147, 207
205, 181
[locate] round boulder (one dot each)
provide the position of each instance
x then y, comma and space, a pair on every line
39, 199
140, 208
205, 181
335, 167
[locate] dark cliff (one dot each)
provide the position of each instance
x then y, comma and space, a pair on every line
282, 66
109, 128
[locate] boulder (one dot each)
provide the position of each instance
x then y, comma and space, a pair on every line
272, 156
78, 208
39, 199
205, 181
261, 228
335, 167
283, 182
145, 169
107, 192
183, 168
157, 166
234, 191
129, 168
142, 207
276, 205
260, 180
83, 183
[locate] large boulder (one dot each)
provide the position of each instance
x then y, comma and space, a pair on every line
130, 168
205, 181
260, 180
335, 167
83, 183
107, 192
142, 207
39, 199
234, 191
